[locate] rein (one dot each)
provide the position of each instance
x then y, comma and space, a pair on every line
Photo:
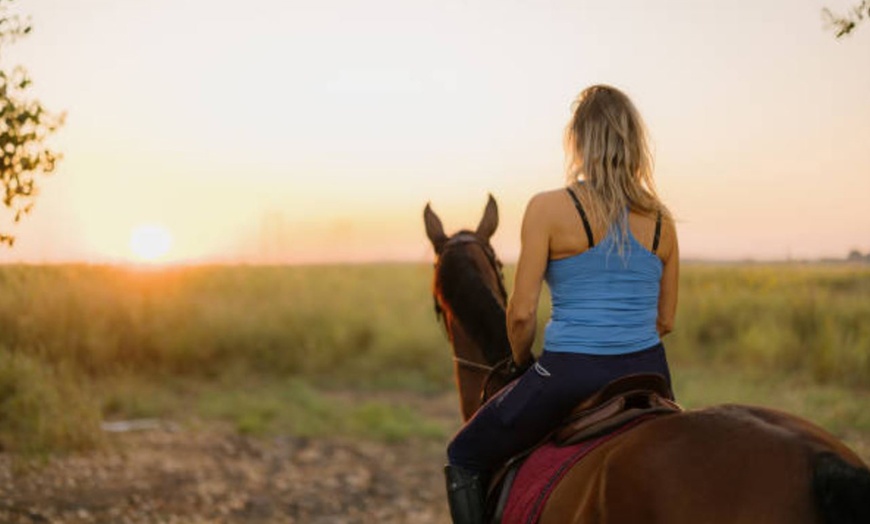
510, 368
469, 364
491, 371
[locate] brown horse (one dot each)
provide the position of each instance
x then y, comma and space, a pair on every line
724, 464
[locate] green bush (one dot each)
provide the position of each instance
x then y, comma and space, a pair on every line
43, 409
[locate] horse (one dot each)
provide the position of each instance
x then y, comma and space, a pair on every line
716, 465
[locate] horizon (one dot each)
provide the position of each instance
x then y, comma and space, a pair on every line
158, 266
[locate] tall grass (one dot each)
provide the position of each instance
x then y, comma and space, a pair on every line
359, 325
373, 325
808, 320
365, 326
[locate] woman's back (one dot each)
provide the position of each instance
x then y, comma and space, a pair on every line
605, 289
606, 294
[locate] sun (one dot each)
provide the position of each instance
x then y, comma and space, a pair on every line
150, 242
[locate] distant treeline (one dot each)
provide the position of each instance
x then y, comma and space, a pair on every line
856, 256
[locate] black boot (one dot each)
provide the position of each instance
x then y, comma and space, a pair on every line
464, 495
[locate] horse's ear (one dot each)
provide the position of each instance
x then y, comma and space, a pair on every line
434, 229
489, 222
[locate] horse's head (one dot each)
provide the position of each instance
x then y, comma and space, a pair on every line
470, 298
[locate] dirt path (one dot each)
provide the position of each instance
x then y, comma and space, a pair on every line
207, 473
210, 474
216, 476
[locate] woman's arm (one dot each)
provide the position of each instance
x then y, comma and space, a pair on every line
670, 281
522, 311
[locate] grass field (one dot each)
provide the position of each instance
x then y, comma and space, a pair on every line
262, 347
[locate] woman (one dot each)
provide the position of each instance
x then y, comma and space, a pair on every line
607, 247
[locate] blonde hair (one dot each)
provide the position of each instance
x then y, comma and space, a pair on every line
606, 146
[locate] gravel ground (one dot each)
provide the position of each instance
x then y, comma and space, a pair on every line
204, 472
207, 473
204, 476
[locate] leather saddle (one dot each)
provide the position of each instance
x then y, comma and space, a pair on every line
613, 406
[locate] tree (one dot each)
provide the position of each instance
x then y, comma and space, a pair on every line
844, 25
24, 128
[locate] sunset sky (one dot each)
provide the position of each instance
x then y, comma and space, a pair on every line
316, 131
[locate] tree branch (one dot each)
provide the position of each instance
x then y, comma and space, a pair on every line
845, 24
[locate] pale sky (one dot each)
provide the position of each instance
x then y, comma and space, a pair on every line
288, 131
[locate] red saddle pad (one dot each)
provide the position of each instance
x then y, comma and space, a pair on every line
542, 471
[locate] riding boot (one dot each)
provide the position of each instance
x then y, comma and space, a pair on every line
464, 495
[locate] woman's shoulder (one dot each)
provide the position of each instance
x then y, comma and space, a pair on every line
542, 209
546, 198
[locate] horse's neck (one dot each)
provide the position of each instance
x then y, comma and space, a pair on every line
469, 381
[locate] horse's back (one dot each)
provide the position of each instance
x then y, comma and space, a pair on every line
718, 465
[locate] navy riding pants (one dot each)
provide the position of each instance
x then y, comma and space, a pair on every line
522, 413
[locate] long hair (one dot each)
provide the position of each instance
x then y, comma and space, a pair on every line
607, 147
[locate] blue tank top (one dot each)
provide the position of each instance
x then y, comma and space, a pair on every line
604, 303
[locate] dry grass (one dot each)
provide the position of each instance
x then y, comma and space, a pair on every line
99, 336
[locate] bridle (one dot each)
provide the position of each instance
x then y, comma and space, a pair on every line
462, 239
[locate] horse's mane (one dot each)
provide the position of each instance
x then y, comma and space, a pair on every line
474, 304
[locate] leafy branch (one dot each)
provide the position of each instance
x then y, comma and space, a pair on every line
845, 24
25, 125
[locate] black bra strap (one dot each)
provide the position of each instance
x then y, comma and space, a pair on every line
582, 217
658, 234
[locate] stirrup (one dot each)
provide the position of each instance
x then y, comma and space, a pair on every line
464, 495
